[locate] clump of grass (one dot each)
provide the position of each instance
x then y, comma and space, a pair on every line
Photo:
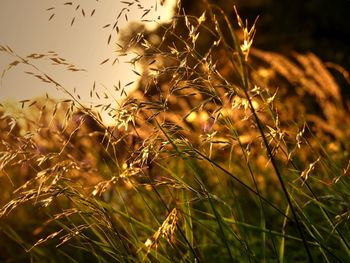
213, 157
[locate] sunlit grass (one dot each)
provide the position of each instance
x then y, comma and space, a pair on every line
224, 153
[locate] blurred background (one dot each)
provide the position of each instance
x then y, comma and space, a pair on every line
76, 32
319, 26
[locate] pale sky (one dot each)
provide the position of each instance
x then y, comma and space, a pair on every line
25, 28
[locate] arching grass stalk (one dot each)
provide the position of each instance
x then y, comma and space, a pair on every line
309, 187
245, 83
219, 219
223, 170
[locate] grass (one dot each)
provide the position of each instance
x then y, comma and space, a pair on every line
224, 153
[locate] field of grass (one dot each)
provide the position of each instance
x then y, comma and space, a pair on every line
224, 153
